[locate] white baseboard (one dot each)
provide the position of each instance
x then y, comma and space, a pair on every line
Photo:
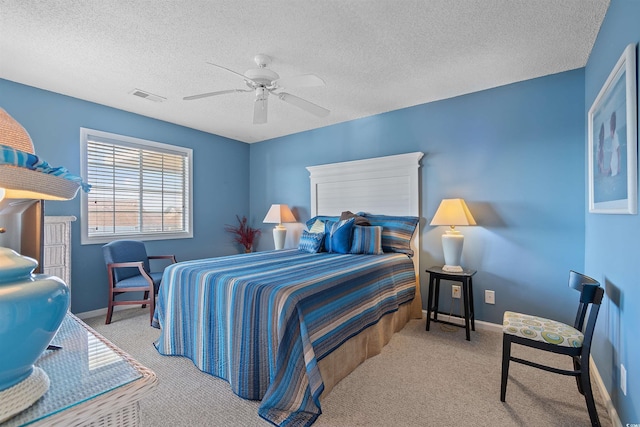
613, 414
460, 321
103, 311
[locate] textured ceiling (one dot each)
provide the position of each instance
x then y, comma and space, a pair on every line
375, 56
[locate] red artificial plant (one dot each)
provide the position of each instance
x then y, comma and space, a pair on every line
243, 233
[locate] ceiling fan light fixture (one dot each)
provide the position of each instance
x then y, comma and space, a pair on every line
260, 111
261, 94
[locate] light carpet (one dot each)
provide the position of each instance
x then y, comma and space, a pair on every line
421, 378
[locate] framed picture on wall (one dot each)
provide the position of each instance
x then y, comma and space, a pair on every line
612, 142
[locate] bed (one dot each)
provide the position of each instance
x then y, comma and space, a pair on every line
285, 326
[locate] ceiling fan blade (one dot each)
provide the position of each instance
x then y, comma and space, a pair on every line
260, 111
303, 104
220, 92
303, 80
236, 73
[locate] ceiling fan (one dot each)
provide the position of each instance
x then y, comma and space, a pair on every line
263, 81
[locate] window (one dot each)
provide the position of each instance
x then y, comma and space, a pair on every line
139, 189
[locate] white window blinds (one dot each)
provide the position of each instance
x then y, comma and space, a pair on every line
139, 189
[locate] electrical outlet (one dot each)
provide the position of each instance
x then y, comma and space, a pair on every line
455, 291
623, 379
490, 297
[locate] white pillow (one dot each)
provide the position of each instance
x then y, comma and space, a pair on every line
317, 227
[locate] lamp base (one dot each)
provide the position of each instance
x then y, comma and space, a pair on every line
279, 235
452, 242
33, 307
452, 268
19, 397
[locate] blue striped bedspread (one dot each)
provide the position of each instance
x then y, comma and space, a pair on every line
262, 321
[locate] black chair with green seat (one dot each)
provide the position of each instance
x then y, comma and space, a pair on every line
558, 337
129, 270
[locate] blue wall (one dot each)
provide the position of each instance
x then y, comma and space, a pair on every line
514, 153
612, 242
221, 177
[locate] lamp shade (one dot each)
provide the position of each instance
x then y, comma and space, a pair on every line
23, 175
278, 214
452, 212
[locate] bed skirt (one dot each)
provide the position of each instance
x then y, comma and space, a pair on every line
368, 343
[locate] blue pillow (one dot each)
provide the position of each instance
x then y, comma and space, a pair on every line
366, 240
338, 236
396, 231
311, 242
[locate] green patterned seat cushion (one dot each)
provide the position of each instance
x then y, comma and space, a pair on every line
541, 329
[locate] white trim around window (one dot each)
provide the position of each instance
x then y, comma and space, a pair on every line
140, 189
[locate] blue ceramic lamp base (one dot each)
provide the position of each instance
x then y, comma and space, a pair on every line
32, 307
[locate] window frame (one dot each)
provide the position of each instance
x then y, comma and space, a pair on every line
131, 142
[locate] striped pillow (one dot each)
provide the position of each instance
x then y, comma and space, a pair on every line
396, 231
367, 240
311, 242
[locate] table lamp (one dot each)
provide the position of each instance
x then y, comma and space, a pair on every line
452, 212
277, 215
32, 306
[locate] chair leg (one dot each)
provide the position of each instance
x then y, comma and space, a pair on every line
146, 296
152, 306
577, 367
109, 311
506, 357
585, 379
110, 305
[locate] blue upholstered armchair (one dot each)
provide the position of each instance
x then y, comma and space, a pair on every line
129, 270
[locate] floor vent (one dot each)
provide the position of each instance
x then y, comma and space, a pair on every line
147, 95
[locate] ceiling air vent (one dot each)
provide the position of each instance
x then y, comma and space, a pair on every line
147, 95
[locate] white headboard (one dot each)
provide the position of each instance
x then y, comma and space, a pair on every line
383, 185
